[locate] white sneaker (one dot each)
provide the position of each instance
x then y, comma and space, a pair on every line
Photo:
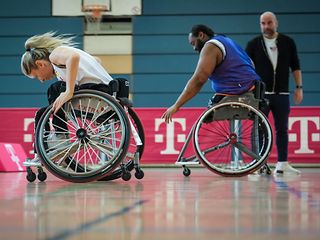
285, 169
35, 162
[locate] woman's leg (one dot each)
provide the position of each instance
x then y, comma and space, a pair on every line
53, 93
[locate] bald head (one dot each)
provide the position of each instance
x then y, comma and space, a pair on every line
268, 15
269, 24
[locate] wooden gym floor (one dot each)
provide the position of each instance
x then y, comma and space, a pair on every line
163, 205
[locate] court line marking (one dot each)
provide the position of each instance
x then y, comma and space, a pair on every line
84, 227
282, 184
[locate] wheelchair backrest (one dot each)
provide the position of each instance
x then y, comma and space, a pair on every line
260, 88
119, 87
247, 98
256, 98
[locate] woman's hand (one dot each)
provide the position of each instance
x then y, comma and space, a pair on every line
62, 99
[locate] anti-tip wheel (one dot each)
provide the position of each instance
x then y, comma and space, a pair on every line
186, 172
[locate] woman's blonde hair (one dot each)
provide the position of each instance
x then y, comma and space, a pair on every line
40, 47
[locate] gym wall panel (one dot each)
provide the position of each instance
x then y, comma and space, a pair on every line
117, 64
24, 100
310, 62
165, 63
126, 76
167, 99
159, 83
201, 100
108, 44
144, 83
225, 24
176, 7
20, 84
10, 65
309, 99
37, 25
305, 42
161, 44
15, 45
311, 82
171, 44
25, 8
182, 63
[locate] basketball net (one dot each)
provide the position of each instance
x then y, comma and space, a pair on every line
93, 15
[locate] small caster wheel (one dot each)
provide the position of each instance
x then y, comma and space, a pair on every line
31, 176
269, 171
126, 176
42, 176
261, 171
186, 172
139, 174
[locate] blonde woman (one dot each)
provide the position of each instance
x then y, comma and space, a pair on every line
48, 56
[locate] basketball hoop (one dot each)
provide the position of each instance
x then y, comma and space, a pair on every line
93, 15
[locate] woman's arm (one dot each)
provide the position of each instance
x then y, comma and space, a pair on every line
69, 58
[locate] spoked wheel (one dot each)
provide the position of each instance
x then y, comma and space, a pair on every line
134, 150
86, 140
232, 139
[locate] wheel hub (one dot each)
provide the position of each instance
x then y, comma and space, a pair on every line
82, 135
233, 138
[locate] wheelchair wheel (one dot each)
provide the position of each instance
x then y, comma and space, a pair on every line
232, 139
133, 148
86, 140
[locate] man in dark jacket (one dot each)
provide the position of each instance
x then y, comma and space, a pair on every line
273, 55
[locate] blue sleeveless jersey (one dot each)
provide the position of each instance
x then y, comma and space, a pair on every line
235, 74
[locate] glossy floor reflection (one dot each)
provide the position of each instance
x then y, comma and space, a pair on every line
163, 205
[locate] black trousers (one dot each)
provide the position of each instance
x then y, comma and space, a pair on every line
279, 105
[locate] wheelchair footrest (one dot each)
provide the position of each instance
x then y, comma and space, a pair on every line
186, 162
32, 162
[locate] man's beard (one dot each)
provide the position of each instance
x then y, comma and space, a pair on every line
200, 45
269, 32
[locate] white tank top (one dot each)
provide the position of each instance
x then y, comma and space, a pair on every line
90, 70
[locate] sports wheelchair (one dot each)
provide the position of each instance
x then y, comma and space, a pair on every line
102, 139
231, 138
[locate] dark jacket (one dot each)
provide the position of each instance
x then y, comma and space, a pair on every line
277, 81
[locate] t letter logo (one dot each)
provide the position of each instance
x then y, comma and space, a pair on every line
169, 135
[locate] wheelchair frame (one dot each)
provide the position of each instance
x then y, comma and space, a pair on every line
122, 131
225, 147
